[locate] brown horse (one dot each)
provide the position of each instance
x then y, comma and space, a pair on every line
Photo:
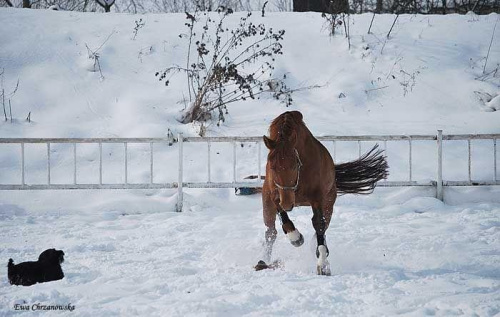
301, 172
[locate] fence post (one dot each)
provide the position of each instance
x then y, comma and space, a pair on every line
234, 162
495, 159
23, 181
48, 163
410, 159
439, 189
100, 163
209, 147
151, 167
74, 163
179, 181
125, 151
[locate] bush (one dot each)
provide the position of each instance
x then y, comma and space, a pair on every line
225, 65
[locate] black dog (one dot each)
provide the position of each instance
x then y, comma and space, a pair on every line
46, 269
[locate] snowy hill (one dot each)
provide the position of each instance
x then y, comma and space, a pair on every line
395, 252
422, 78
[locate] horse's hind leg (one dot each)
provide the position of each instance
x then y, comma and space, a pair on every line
320, 225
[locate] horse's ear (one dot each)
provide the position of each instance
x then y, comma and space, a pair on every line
297, 115
270, 144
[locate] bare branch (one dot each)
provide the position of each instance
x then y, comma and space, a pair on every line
489, 48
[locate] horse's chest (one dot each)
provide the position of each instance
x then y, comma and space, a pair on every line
303, 199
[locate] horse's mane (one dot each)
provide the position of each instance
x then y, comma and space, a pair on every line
285, 125
284, 131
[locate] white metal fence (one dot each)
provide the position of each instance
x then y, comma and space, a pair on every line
438, 139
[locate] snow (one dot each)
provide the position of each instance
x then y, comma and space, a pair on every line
130, 102
127, 255
395, 252
494, 103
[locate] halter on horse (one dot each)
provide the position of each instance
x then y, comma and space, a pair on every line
301, 172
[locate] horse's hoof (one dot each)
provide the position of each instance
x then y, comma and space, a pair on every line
299, 242
323, 266
296, 238
324, 270
261, 265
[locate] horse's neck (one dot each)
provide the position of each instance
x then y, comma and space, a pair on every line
305, 140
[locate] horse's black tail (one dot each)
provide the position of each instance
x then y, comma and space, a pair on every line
360, 176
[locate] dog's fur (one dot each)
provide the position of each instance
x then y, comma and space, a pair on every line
46, 269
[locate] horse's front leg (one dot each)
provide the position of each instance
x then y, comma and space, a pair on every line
269, 217
319, 224
295, 237
270, 238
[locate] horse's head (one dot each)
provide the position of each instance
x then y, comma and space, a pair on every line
283, 170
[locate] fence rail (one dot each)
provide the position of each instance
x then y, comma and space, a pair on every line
180, 184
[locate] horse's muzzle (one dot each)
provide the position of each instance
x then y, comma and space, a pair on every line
286, 200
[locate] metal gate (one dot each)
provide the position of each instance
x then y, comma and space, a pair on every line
438, 139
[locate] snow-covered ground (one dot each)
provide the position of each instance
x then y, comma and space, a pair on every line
395, 252
127, 254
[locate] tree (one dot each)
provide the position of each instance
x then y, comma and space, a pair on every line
309, 5
106, 4
380, 6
